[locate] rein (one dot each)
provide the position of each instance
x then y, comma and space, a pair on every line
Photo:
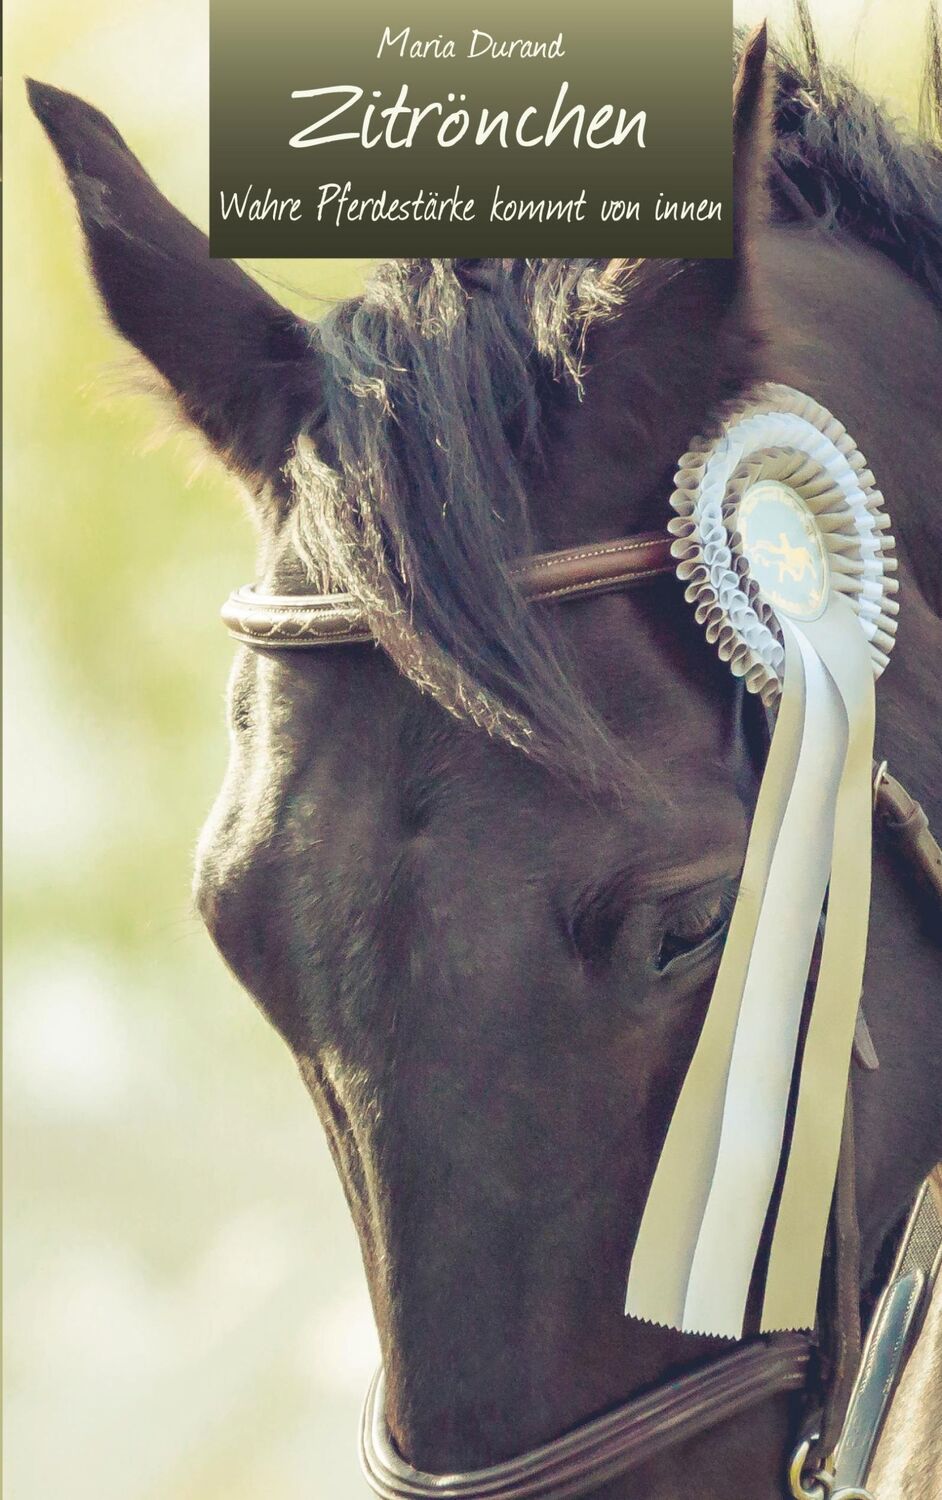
607, 1446
848, 1388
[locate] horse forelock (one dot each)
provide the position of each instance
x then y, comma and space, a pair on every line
413, 493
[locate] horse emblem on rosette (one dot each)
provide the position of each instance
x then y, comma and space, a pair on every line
791, 562
777, 534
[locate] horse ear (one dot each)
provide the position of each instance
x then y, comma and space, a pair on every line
678, 336
723, 282
243, 368
752, 141
753, 136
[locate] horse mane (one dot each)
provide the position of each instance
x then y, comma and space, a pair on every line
413, 494
839, 160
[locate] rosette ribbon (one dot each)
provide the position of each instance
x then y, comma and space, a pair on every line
781, 540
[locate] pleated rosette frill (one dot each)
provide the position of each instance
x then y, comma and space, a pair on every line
779, 434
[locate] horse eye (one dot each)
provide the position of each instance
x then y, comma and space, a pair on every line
695, 928
594, 930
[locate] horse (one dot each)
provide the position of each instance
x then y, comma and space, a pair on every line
479, 878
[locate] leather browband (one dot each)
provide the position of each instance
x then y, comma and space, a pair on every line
295, 621
599, 1451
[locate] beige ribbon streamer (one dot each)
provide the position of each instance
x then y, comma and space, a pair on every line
667, 1236
703, 1221
763, 1053
801, 1223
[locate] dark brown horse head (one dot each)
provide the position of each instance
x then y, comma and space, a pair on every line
480, 879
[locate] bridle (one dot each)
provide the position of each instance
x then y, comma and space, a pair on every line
846, 1386
293, 621
608, 1446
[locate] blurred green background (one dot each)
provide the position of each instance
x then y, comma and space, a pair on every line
186, 1316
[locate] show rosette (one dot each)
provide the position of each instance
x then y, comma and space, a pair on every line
783, 546
776, 512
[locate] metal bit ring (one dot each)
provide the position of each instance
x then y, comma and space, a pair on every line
817, 1486
820, 1485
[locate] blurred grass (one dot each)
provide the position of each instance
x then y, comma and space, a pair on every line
880, 42
185, 1309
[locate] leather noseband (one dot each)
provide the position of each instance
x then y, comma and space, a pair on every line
603, 1449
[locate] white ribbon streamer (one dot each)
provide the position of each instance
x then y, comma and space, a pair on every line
767, 1033
660, 1264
